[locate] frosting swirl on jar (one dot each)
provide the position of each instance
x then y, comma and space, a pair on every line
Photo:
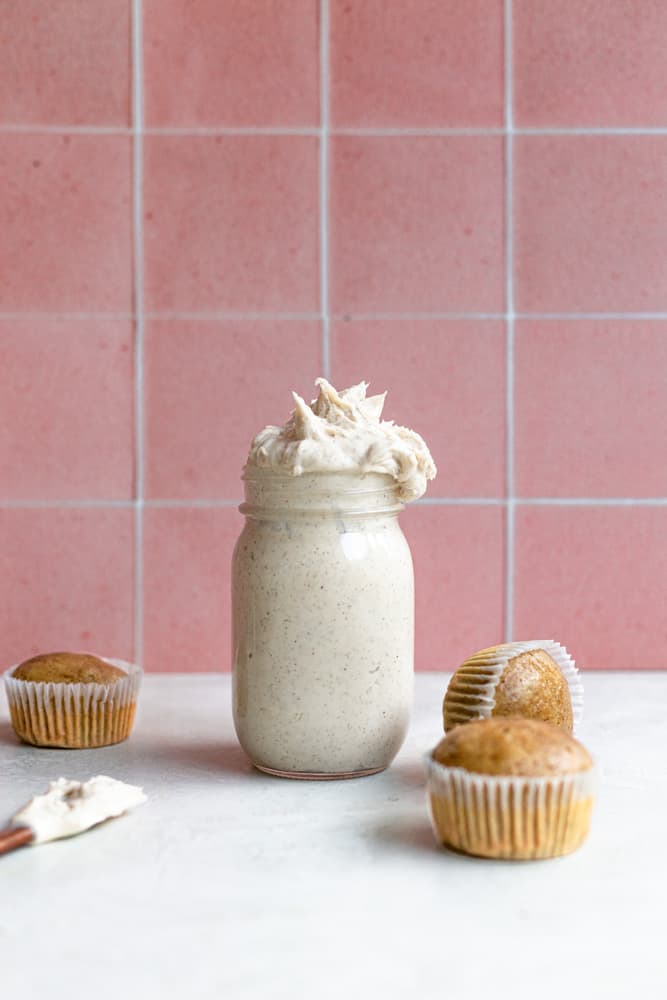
343, 432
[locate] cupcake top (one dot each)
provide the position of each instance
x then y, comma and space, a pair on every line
513, 747
536, 679
68, 668
532, 685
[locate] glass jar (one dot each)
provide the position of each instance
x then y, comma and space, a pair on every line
323, 624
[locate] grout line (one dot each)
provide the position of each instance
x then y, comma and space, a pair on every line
232, 316
324, 187
461, 502
493, 131
414, 316
212, 130
137, 126
64, 504
509, 305
314, 130
223, 316
593, 316
57, 316
515, 501
591, 130
205, 502
592, 501
189, 504
86, 503
67, 129
434, 131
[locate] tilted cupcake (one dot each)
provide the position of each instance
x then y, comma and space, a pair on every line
510, 788
537, 679
72, 700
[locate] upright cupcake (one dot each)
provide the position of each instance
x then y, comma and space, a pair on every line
536, 679
510, 788
72, 700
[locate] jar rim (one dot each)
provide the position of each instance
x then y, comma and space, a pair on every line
312, 492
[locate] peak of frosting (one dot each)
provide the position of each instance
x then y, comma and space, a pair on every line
344, 432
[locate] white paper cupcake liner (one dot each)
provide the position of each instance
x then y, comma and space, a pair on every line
471, 694
74, 716
509, 817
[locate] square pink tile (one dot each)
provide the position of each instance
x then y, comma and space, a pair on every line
423, 63
67, 579
591, 408
65, 63
594, 578
459, 557
66, 409
233, 64
589, 223
208, 392
594, 63
65, 216
416, 223
187, 598
231, 223
446, 380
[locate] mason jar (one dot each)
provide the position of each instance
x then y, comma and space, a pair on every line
323, 624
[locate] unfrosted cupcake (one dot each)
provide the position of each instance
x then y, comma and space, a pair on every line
72, 700
536, 679
510, 788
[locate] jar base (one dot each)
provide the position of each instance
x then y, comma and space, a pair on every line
318, 775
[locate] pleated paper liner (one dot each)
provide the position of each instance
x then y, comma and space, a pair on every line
74, 716
471, 691
518, 818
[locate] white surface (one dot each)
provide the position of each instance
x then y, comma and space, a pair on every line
232, 884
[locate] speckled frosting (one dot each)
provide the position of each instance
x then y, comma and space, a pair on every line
343, 432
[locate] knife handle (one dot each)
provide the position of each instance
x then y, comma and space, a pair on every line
13, 837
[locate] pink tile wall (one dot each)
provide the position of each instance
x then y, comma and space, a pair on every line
204, 205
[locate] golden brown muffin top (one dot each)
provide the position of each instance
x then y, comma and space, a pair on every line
68, 668
533, 686
512, 746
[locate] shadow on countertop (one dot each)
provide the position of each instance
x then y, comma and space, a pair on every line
213, 758
409, 774
414, 833
7, 734
411, 832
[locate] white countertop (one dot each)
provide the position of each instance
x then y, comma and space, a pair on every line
233, 885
